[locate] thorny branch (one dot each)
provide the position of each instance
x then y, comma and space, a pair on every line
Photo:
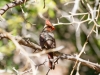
92, 17
28, 43
94, 66
63, 56
83, 49
11, 5
22, 41
90, 12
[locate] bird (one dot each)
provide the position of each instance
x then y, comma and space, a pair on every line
47, 41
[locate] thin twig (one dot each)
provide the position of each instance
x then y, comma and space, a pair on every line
44, 4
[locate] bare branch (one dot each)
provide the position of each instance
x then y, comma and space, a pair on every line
92, 65
22, 41
28, 43
11, 5
47, 51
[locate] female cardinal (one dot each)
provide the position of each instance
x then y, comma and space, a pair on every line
47, 41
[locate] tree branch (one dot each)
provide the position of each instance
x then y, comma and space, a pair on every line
94, 66
21, 41
10, 5
28, 43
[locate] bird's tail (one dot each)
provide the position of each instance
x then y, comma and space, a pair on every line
51, 63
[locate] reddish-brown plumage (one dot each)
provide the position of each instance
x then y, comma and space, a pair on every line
47, 41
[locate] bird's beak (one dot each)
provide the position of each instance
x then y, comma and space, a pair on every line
53, 28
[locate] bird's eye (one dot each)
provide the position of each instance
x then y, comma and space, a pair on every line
50, 27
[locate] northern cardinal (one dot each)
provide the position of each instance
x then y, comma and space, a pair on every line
47, 41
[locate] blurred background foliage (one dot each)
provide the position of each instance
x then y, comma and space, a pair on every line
27, 21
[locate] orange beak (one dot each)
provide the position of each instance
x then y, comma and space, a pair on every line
53, 28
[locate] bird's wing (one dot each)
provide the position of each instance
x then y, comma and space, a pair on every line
47, 41
42, 40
